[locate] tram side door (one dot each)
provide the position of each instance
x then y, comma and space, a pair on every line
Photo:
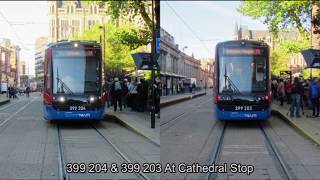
47, 87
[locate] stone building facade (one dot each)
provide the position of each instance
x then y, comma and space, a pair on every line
9, 63
296, 62
40, 46
177, 69
69, 17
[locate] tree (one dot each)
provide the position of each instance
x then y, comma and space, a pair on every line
117, 53
128, 11
280, 56
280, 15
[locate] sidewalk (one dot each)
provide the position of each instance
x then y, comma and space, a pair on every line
169, 100
309, 127
3, 99
138, 122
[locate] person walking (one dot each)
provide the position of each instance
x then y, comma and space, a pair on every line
193, 88
314, 96
28, 91
116, 93
281, 91
297, 91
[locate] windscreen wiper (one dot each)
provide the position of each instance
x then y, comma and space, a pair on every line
231, 85
62, 85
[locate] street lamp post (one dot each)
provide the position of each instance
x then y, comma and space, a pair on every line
155, 31
153, 51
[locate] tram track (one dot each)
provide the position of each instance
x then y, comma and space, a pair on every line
171, 122
63, 175
269, 145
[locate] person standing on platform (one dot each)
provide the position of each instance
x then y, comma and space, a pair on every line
281, 91
116, 93
314, 96
297, 91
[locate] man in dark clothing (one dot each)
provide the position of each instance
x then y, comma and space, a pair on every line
314, 96
28, 91
142, 95
296, 92
116, 93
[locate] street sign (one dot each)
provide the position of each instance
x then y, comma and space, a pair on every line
282, 73
158, 45
312, 57
143, 61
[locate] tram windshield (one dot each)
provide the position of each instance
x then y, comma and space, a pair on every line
242, 74
75, 71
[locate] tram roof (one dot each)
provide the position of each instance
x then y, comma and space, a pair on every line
243, 42
65, 43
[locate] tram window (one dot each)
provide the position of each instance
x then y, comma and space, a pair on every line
48, 81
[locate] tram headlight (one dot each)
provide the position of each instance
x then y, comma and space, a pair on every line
92, 99
61, 99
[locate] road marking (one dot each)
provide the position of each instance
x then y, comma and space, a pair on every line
249, 152
9, 105
22, 108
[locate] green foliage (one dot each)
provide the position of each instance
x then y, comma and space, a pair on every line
295, 46
280, 56
130, 36
306, 73
125, 12
279, 61
279, 15
118, 51
129, 9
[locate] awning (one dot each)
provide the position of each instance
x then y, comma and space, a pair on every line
312, 57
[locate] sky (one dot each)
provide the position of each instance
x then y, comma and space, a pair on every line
28, 21
210, 22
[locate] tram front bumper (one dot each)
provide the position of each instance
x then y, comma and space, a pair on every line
51, 114
243, 115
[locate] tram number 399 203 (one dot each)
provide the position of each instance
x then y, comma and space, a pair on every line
243, 108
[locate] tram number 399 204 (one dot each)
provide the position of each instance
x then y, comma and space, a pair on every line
77, 108
243, 108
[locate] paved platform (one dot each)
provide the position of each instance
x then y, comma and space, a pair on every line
138, 122
169, 100
309, 127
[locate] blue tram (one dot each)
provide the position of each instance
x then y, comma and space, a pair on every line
242, 80
73, 81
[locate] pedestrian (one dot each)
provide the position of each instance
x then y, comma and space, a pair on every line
193, 87
314, 96
288, 88
125, 92
116, 93
108, 88
142, 90
281, 91
274, 85
296, 92
28, 91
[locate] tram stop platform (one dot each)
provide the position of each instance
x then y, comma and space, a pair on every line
306, 125
4, 99
169, 100
138, 122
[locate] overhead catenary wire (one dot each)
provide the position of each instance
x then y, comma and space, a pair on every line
14, 31
186, 24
